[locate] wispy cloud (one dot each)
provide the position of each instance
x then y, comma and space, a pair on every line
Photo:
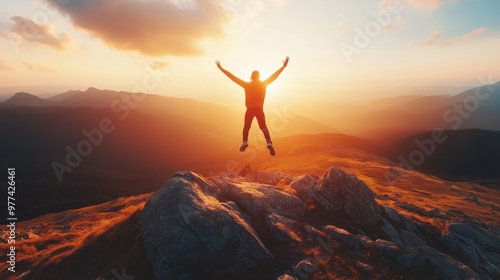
151, 27
38, 34
435, 39
38, 68
427, 4
4, 66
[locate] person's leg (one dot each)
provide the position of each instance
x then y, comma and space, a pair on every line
249, 115
261, 119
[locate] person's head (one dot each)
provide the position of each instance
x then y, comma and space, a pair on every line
255, 76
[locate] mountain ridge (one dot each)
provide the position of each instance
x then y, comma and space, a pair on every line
404, 231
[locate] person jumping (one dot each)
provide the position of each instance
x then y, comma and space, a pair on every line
255, 93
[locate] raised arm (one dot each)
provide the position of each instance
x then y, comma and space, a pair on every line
276, 74
231, 76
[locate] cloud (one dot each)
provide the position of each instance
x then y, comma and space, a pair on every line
427, 4
39, 34
151, 27
38, 68
473, 33
434, 39
4, 66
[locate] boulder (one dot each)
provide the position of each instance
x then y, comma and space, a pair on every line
265, 177
391, 214
314, 233
442, 265
282, 228
365, 241
402, 237
343, 236
341, 191
389, 232
184, 227
304, 185
479, 247
305, 268
409, 239
408, 224
258, 199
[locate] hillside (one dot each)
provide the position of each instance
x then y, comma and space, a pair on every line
112, 239
470, 154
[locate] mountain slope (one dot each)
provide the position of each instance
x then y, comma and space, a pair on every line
464, 154
26, 99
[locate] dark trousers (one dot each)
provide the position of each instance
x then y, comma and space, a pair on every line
257, 112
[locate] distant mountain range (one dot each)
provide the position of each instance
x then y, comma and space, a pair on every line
406, 115
149, 137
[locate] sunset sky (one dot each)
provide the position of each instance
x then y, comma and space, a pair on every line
338, 49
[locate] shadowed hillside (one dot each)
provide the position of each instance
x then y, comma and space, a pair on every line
464, 155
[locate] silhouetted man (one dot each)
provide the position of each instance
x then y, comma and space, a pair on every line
255, 93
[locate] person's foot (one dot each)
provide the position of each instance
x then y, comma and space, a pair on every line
272, 152
243, 146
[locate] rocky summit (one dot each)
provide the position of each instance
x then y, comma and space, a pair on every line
267, 225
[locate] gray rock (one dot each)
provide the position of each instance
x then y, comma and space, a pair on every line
409, 239
480, 248
407, 259
314, 232
184, 227
391, 213
442, 265
343, 236
282, 228
305, 268
408, 224
366, 242
324, 241
389, 232
287, 277
207, 187
304, 185
264, 177
341, 191
259, 199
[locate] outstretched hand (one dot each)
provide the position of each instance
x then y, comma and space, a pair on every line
285, 62
218, 64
